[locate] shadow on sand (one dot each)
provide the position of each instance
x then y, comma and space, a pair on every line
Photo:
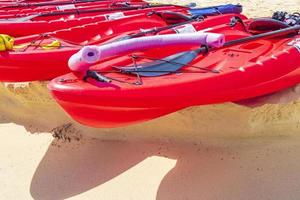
67, 170
230, 171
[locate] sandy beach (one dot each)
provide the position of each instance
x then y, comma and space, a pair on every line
246, 150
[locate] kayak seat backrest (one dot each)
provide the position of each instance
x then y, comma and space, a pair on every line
266, 24
173, 17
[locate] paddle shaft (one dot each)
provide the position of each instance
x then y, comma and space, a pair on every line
157, 30
271, 34
267, 35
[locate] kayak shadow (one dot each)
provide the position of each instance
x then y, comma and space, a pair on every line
198, 170
203, 170
71, 168
240, 170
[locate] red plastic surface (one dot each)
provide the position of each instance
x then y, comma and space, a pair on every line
246, 70
47, 24
34, 63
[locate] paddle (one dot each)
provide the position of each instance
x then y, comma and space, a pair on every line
270, 34
26, 18
176, 61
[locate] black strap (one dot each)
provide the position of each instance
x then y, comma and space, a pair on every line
235, 20
290, 19
96, 76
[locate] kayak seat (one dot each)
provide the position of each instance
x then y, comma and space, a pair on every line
266, 24
173, 17
120, 4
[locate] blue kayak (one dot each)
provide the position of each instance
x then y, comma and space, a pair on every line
216, 10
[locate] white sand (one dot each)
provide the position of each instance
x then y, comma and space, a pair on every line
223, 151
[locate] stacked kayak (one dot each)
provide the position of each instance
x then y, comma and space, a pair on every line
82, 11
12, 13
45, 22
24, 61
23, 8
42, 3
38, 24
116, 87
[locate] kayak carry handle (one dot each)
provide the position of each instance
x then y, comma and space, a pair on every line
96, 76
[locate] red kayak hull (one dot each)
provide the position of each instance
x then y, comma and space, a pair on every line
107, 117
111, 117
71, 6
38, 64
39, 25
8, 5
246, 70
56, 10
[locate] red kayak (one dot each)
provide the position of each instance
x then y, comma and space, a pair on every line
42, 3
113, 93
21, 12
40, 25
83, 11
30, 53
